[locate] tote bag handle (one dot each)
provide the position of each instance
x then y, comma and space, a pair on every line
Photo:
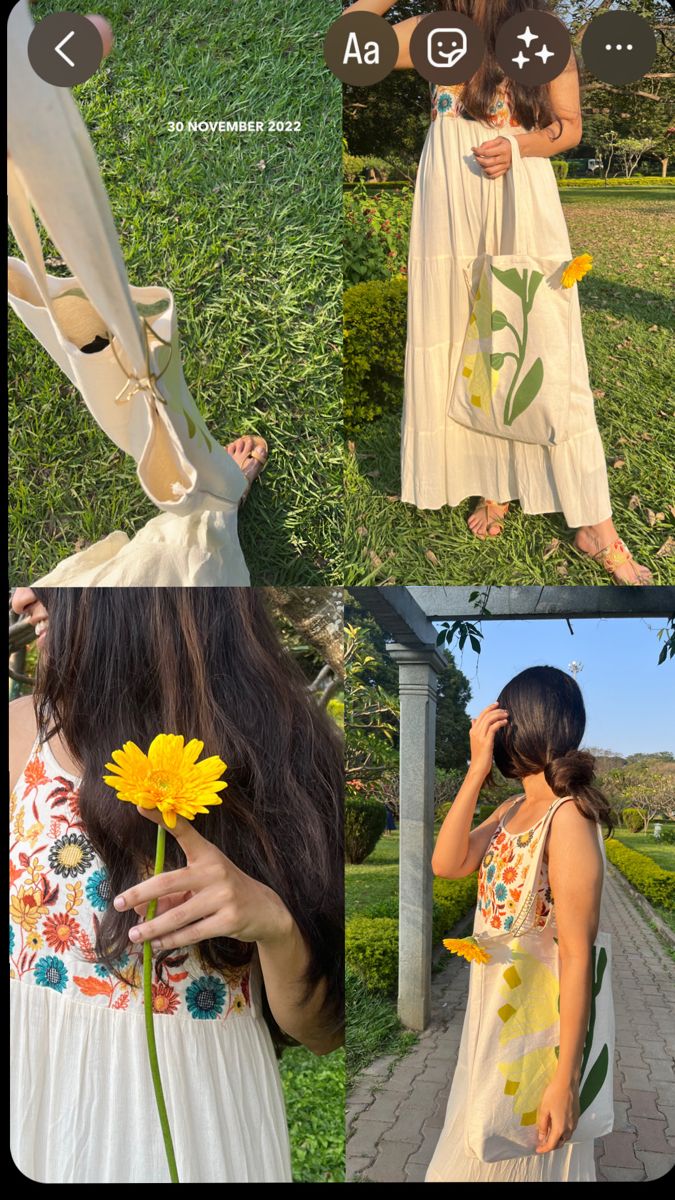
54, 171
517, 193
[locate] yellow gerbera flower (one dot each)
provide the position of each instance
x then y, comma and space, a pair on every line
467, 948
576, 270
168, 778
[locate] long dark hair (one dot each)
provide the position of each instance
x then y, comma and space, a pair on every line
124, 664
531, 105
547, 720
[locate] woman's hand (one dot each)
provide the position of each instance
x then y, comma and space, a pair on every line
210, 897
482, 738
494, 156
558, 1115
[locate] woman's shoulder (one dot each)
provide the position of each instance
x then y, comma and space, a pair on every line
22, 734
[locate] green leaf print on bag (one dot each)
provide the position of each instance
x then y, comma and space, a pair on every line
522, 391
598, 1073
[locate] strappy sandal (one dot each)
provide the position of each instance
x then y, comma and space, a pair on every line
258, 455
498, 519
617, 555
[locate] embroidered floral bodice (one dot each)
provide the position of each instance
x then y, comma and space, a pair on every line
502, 874
446, 101
58, 891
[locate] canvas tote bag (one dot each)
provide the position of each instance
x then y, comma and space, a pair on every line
515, 1031
513, 377
134, 386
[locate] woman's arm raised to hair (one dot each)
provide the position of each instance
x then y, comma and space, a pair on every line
566, 103
403, 29
575, 869
459, 849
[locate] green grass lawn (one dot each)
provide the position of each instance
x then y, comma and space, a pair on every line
662, 853
373, 880
246, 231
373, 1027
627, 322
314, 1091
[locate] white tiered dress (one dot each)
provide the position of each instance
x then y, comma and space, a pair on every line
443, 462
82, 1103
500, 880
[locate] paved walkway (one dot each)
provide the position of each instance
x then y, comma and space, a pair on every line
394, 1116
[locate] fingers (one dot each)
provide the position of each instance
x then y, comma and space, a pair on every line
190, 935
152, 889
189, 840
177, 918
164, 904
551, 1140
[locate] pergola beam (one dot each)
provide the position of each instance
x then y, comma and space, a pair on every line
533, 603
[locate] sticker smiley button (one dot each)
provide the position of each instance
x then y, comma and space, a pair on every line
533, 47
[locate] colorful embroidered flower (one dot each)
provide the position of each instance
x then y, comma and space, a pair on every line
164, 998
98, 890
26, 907
508, 922
524, 839
34, 942
509, 874
12, 940
61, 931
496, 921
501, 892
51, 972
467, 948
71, 855
576, 270
168, 778
205, 997
490, 874
34, 774
239, 1004
445, 102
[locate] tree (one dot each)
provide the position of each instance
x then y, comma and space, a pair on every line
371, 711
647, 783
313, 615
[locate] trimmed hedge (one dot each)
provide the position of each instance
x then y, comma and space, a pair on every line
634, 181
655, 884
561, 168
364, 825
371, 945
667, 835
375, 318
371, 939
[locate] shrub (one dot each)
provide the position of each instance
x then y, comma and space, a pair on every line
633, 819
364, 824
376, 232
372, 938
657, 885
354, 166
375, 317
668, 834
371, 946
561, 169
621, 181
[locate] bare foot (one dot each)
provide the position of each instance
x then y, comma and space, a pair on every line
603, 543
487, 519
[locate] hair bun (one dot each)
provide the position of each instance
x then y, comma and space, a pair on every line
574, 770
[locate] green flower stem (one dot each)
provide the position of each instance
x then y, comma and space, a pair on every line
149, 1027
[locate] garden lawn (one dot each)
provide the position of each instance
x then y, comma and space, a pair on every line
661, 853
246, 231
627, 323
373, 1027
314, 1091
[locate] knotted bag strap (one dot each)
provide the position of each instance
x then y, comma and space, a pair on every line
54, 171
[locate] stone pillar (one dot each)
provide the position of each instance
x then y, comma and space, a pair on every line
418, 670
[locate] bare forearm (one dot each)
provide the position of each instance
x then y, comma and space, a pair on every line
283, 963
543, 143
452, 844
575, 1003
379, 7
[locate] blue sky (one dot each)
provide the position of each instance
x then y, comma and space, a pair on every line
628, 697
